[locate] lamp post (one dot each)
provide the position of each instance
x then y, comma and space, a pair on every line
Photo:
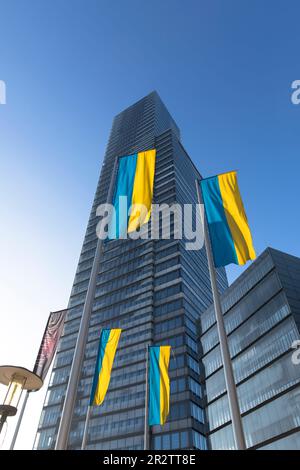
16, 379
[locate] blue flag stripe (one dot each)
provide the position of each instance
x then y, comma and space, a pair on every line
123, 187
154, 385
220, 235
101, 351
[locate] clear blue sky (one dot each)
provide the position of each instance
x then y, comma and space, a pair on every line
224, 70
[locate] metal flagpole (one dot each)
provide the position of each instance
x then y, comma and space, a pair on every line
146, 424
86, 425
69, 403
3, 418
12, 445
236, 419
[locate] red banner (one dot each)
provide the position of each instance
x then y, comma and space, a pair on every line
49, 343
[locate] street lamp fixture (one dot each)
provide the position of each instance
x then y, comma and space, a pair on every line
16, 379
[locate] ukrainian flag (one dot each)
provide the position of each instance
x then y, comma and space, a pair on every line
106, 352
159, 384
228, 227
135, 181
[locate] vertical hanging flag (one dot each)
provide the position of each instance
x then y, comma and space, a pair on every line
159, 384
228, 227
133, 189
109, 340
49, 343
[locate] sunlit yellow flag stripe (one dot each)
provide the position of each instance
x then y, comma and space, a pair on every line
236, 217
107, 363
164, 359
142, 189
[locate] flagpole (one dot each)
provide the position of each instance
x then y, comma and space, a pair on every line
86, 425
146, 423
14, 438
235, 413
69, 402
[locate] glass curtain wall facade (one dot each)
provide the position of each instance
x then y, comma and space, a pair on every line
262, 318
155, 290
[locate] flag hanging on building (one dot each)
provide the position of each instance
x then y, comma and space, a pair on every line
49, 343
108, 344
159, 384
228, 227
133, 188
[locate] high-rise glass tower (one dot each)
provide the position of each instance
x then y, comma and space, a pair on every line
155, 290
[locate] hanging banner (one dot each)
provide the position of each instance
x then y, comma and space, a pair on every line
49, 343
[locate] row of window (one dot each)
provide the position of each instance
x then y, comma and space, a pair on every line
124, 277
123, 283
179, 440
275, 418
125, 307
170, 276
259, 354
137, 290
261, 294
234, 294
263, 386
263, 320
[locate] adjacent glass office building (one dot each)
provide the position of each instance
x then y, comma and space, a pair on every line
155, 290
262, 318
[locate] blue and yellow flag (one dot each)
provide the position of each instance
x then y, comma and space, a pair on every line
109, 340
134, 181
228, 227
159, 384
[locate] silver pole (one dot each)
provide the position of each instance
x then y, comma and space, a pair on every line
86, 425
69, 403
146, 424
236, 419
3, 418
12, 445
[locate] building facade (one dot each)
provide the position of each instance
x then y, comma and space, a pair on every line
155, 290
262, 319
